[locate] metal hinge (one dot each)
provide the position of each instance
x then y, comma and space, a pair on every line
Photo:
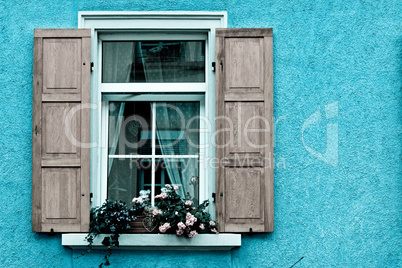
92, 67
213, 66
213, 197
90, 197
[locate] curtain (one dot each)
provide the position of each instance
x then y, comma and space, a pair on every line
154, 62
175, 139
118, 64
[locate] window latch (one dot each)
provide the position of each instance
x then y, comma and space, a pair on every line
92, 67
213, 66
213, 197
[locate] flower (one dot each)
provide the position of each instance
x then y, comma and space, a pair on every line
175, 187
181, 225
192, 234
214, 230
145, 192
212, 223
167, 186
179, 232
163, 228
188, 203
202, 227
190, 219
176, 213
156, 212
137, 199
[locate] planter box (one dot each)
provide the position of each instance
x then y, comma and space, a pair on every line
137, 227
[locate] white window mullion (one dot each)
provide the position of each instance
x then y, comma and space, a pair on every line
150, 156
153, 153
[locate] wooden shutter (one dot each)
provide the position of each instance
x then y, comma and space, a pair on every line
244, 147
60, 165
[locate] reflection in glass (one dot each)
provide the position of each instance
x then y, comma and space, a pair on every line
153, 61
176, 151
177, 127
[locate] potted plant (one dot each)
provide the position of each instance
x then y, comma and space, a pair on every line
182, 217
112, 218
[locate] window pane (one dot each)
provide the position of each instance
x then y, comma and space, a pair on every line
177, 128
127, 177
130, 128
183, 173
153, 62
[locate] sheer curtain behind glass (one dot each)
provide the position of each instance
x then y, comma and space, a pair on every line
177, 131
120, 58
152, 62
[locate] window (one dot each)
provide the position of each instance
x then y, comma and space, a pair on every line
152, 143
160, 144
148, 66
144, 114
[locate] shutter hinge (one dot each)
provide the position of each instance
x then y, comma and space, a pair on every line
92, 67
213, 197
90, 197
36, 130
51, 233
221, 63
213, 66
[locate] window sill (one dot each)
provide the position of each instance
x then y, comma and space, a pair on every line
159, 241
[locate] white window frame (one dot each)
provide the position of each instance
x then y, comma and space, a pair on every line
203, 186
147, 23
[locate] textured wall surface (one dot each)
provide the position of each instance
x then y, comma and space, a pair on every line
338, 112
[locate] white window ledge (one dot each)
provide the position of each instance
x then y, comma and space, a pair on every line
159, 241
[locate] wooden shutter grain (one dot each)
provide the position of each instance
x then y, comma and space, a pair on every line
244, 127
60, 166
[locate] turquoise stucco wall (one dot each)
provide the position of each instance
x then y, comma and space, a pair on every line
338, 78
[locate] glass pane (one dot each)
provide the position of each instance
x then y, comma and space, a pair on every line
127, 177
153, 62
130, 128
183, 173
177, 128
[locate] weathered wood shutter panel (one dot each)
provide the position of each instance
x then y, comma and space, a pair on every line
244, 127
60, 151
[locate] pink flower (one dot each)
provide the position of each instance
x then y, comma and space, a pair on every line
181, 225
190, 219
193, 208
179, 232
163, 228
202, 227
163, 195
137, 199
168, 186
176, 213
188, 203
176, 187
214, 230
156, 212
212, 223
192, 234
